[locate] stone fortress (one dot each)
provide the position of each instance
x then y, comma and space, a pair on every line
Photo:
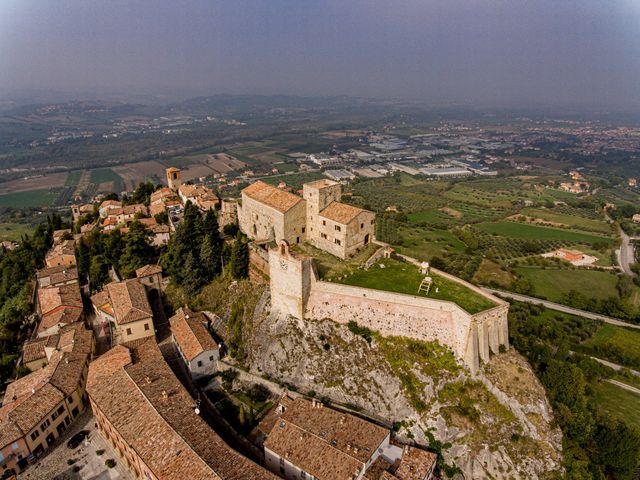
270, 214
296, 290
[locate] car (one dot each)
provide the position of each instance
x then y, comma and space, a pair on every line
77, 439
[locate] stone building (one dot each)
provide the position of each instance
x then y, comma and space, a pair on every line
174, 178
62, 254
269, 213
194, 343
148, 417
296, 290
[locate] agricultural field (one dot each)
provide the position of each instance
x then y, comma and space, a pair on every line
54, 180
14, 231
294, 180
107, 180
570, 218
423, 243
42, 197
133, 174
616, 344
396, 276
534, 232
553, 284
618, 402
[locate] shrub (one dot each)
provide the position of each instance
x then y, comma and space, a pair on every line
110, 463
99, 452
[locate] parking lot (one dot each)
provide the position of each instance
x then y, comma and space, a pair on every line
82, 463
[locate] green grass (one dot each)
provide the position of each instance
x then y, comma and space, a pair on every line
33, 198
575, 221
616, 344
431, 217
618, 402
103, 175
286, 167
14, 231
533, 232
424, 244
73, 178
400, 277
552, 284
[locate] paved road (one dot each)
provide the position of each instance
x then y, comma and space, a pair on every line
561, 308
626, 256
615, 366
623, 385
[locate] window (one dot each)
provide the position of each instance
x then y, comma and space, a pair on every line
211, 358
45, 424
337, 242
199, 363
362, 225
61, 409
323, 235
1, 457
15, 446
372, 222
55, 415
146, 326
338, 228
303, 229
35, 434
324, 222
128, 331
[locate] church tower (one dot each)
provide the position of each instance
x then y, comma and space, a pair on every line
174, 177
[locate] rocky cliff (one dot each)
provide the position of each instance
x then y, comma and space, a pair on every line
495, 425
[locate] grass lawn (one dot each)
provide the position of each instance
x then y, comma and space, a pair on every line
397, 276
617, 344
73, 178
431, 217
423, 244
33, 198
286, 167
329, 266
552, 284
533, 232
618, 402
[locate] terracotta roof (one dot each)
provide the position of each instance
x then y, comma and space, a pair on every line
322, 183
162, 194
271, 196
64, 316
415, 464
57, 274
191, 334
148, 270
67, 247
54, 297
101, 300
127, 299
34, 350
133, 209
323, 442
341, 212
153, 413
110, 204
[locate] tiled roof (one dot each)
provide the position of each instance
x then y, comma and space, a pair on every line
324, 442
63, 315
148, 270
271, 196
51, 298
67, 247
71, 338
341, 212
153, 413
34, 350
415, 464
188, 328
110, 204
162, 194
58, 274
129, 301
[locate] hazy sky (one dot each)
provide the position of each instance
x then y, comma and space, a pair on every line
487, 52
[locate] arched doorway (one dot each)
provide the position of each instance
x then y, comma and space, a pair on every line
366, 239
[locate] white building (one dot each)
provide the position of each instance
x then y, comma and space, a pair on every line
194, 343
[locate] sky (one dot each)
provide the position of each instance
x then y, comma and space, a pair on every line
473, 52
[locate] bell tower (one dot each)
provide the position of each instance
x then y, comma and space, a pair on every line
174, 177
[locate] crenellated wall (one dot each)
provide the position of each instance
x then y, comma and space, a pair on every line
296, 290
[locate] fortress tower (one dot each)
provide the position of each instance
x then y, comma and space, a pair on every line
174, 177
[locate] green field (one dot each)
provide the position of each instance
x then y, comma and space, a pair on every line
73, 178
400, 277
424, 244
575, 221
104, 175
286, 167
617, 344
618, 402
552, 284
431, 217
33, 198
14, 231
534, 232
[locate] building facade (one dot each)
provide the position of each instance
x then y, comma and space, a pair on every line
194, 343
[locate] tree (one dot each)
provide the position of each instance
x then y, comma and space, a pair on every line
84, 258
143, 193
98, 272
162, 217
239, 263
138, 250
210, 227
210, 258
192, 276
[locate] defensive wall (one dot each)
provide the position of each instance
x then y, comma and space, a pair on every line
297, 291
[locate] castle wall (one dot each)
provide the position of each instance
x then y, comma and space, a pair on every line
391, 313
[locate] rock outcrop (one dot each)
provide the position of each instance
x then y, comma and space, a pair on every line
494, 425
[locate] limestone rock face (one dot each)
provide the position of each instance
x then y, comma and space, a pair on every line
495, 425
